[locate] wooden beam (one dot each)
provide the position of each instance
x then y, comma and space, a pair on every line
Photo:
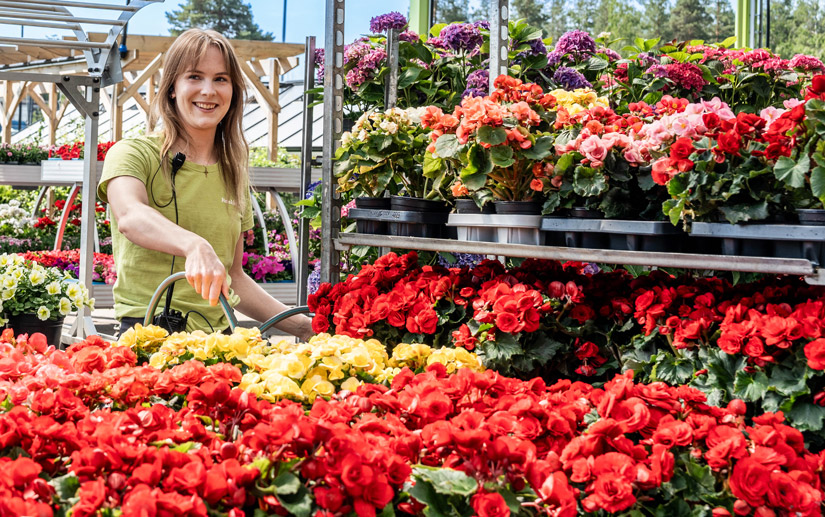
272, 115
246, 49
149, 71
12, 98
55, 118
264, 97
116, 113
40, 101
257, 67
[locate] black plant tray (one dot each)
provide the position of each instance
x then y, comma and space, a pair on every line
398, 216
616, 234
404, 223
766, 240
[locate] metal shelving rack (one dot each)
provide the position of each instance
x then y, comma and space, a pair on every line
103, 60
333, 242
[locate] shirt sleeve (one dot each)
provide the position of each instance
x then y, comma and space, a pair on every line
247, 221
130, 157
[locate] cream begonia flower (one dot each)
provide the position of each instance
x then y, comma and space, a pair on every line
53, 288
65, 306
43, 313
350, 384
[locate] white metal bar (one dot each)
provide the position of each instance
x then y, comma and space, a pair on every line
300, 272
637, 258
87, 212
36, 23
499, 39
35, 15
67, 44
66, 3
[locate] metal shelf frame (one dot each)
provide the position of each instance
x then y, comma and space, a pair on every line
103, 61
333, 242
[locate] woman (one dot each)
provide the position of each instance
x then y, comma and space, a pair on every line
197, 212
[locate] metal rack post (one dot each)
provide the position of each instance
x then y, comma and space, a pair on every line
391, 87
499, 39
300, 269
333, 127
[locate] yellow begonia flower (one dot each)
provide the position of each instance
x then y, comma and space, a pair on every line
351, 384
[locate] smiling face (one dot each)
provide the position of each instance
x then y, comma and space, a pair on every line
202, 95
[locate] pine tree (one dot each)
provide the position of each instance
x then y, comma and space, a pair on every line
532, 11
723, 21
619, 18
558, 23
232, 18
690, 20
447, 11
655, 20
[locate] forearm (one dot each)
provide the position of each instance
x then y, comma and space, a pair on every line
259, 305
148, 228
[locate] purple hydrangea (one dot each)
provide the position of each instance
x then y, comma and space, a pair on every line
611, 54
356, 51
410, 36
462, 259
319, 62
647, 59
577, 43
314, 279
482, 24
570, 79
479, 79
554, 58
436, 42
474, 92
385, 22
461, 36
365, 67
657, 70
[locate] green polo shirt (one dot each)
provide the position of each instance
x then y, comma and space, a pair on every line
203, 208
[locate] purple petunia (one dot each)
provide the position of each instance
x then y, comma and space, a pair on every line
570, 79
385, 22
461, 37
577, 43
462, 259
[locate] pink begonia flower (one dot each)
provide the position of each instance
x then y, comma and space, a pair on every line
594, 150
770, 114
792, 103
611, 140
633, 156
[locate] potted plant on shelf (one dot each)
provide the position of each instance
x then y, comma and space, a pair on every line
37, 298
497, 144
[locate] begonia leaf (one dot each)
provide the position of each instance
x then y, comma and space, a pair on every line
748, 387
792, 172
540, 150
446, 481
492, 135
446, 146
806, 416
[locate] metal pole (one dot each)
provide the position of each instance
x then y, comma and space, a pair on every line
301, 268
87, 218
391, 89
283, 27
333, 127
499, 39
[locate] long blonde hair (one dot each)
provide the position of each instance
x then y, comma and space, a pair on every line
230, 144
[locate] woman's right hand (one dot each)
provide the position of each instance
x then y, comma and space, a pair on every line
206, 273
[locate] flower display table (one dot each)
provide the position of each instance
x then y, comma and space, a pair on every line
499, 228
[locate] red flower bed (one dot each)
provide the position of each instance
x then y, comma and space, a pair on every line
759, 341
91, 430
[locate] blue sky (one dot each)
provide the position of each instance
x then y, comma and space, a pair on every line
304, 17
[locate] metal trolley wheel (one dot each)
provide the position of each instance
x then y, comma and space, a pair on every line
230, 313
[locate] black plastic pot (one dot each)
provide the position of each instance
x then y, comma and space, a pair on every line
469, 206
518, 207
30, 323
811, 216
584, 213
417, 204
372, 202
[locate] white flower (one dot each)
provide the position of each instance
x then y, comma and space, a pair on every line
73, 291
346, 138
43, 313
37, 276
10, 281
389, 127
53, 288
14, 203
6, 259
363, 135
65, 306
8, 294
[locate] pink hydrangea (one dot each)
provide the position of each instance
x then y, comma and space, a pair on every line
807, 63
686, 75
